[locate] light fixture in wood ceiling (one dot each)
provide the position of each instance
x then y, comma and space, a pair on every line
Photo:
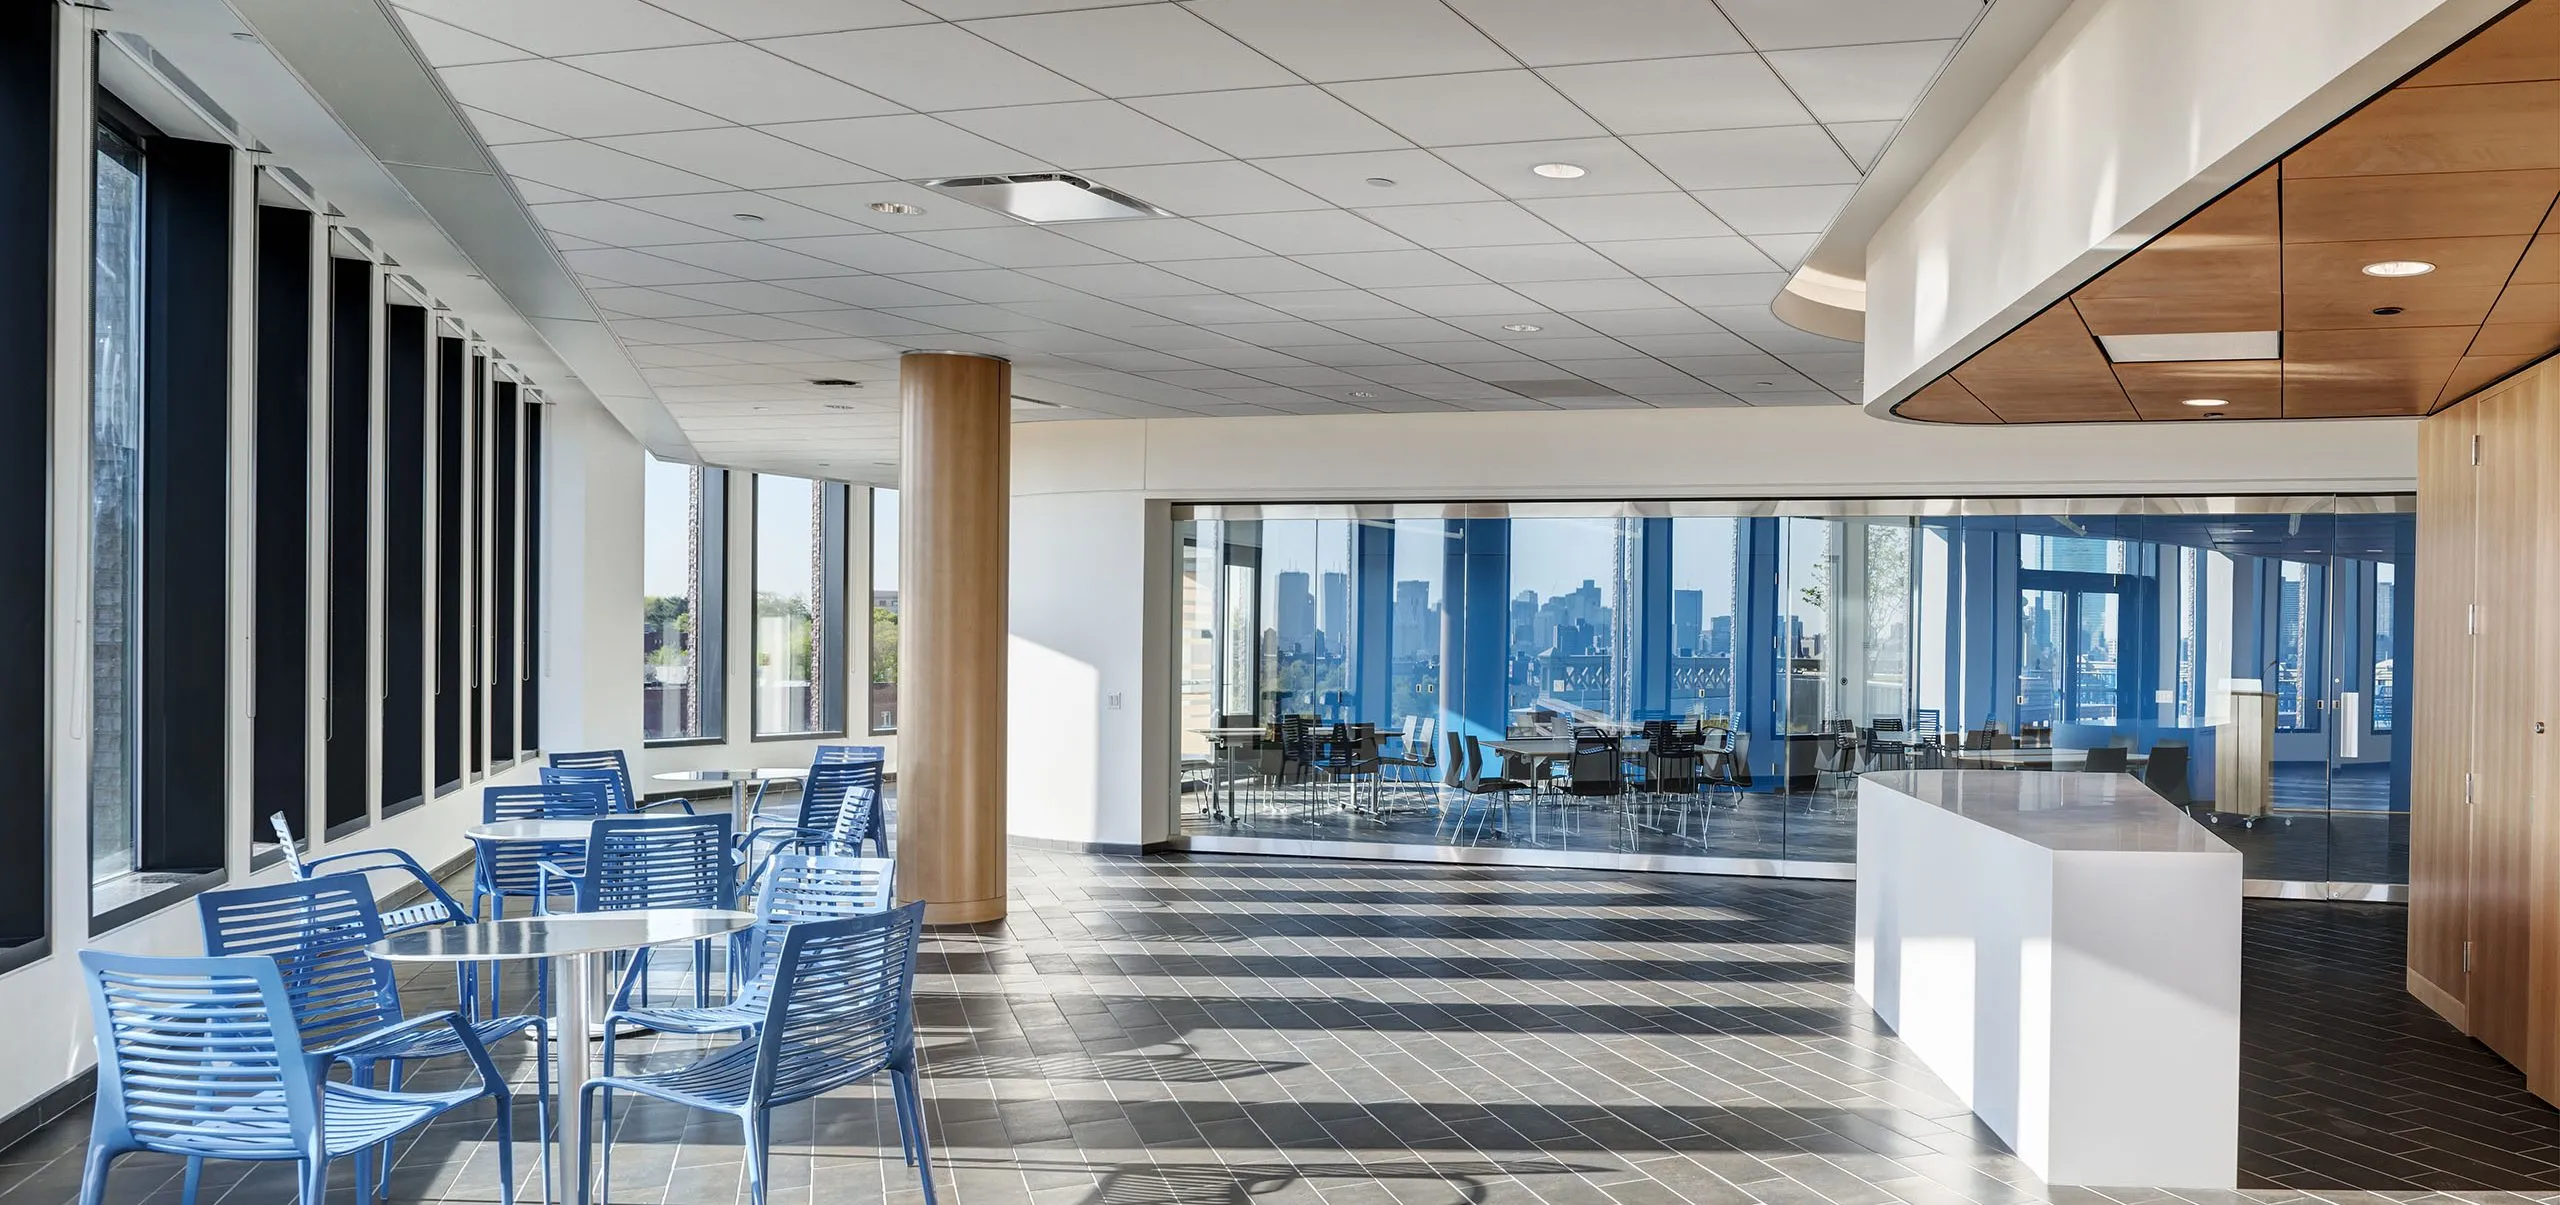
2457, 166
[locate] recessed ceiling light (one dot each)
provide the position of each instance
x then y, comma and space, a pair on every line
748, 217
1381, 182
2399, 267
1363, 394
1041, 198
899, 207
2193, 345
1559, 171
2205, 401
1525, 328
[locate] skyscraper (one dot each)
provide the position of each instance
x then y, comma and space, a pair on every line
1296, 605
1688, 620
1337, 613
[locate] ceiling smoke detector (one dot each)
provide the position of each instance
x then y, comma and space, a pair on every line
1047, 198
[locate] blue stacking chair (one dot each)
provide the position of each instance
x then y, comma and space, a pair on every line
824, 794
832, 755
582, 766
203, 1058
317, 930
838, 1010
805, 887
438, 908
503, 870
636, 862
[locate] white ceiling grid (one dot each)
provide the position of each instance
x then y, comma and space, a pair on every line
1719, 139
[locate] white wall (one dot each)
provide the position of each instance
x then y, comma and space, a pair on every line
1093, 569
2127, 116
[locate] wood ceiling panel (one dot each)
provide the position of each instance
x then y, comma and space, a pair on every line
2541, 262
2332, 209
2475, 373
2253, 388
2337, 374
2046, 371
2257, 311
2474, 127
2531, 304
2523, 45
1945, 401
2326, 288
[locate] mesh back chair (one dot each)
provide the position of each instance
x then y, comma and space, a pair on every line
839, 1010
1597, 767
345, 1001
2105, 759
438, 908
1483, 794
201, 1058
503, 869
1671, 758
639, 862
805, 887
2166, 772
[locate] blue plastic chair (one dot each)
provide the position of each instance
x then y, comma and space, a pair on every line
438, 909
831, 755
317, 930
637, 862
203, 1058
839, 1010
805, 887
823, 794
626, 797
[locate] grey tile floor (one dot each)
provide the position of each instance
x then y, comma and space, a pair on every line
1240, 1031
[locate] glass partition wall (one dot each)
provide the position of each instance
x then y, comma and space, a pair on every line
1696, 685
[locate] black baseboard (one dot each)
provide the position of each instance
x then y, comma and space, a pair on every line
1116, 848
18, 1126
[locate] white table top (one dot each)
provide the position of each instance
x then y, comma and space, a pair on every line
760, 774
2071, 812
535, 830
551, 936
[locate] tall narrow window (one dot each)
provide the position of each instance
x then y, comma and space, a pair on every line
530, 684
683, 581
351, 698
27, 78
884, 612
505, 576
453, 384
404, 557
280, 755
799, 618
115, 509
2386, 638
2297, 654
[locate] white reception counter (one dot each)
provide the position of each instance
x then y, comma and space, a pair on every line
2064, 951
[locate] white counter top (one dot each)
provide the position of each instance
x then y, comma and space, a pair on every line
2109, 813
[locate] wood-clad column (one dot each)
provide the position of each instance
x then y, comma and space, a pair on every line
955, 495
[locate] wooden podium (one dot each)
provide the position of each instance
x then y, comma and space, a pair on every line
2244, 749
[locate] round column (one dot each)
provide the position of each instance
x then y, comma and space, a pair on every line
955, 497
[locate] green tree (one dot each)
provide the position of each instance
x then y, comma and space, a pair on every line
884, 645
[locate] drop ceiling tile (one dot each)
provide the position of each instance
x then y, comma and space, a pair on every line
740, 157
1661, 321
1454, 300
1711, 92
1207, 189
1207, 309
563, 98
756, 326
1466, 224
616, 225
1253, 274
1760, 158
994, 286
1473, 107
872, 291
1121, 280
1332, 305
782, 18
973, 319
652, 331
871, 325
1802, 210
537, 193
1390, 269
1328, 40
1016, 247
1394, 330
752, 261
1206, 378
1551, 327
637, 267
1463, 351
1575, 296
1786, 250
559, 27
1308, 232
1244, 355
1257, 123
1609, 166
1872, 82
1686, 347
1814, 397
1788, 339
1724, 364
1351, 355
1280, 334
1543, 33
910, 147
1788, 24
1413, 178
1737, 288
930, 67
499, 131
1137, 50
934, 211
882, 253
1136, 359
1551, 261
1689, 401
652, 303
720, 210
1686, 256
1087, 313
736, 81
1864, 140
1653, 215
747, 295
1159, 240
445, 45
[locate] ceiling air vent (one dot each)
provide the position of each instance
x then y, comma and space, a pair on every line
1046, 198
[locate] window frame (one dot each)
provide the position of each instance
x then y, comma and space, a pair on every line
708, 538
829, 503
870, 613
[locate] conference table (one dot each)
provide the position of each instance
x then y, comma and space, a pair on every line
1224, 744
2031, 759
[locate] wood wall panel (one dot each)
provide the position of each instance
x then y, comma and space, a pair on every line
2439, 822
2538, 394
2502, 767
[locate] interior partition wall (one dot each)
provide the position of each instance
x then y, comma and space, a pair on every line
1814, 640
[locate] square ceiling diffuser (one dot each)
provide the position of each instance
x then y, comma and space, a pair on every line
1046, 198
2194, 345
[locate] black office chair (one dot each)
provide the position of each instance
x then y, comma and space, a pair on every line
1597, 767
2166, 772
2109, 759
1481, 791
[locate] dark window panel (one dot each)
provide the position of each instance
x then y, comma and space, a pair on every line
280, 740
404, 668
350, 695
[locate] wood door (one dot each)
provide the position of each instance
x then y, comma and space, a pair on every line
2440, 713
2538, 393
2509, 547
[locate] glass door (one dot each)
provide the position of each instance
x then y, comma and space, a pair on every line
2367, 779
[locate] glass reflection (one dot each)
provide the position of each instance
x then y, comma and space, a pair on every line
1708, 682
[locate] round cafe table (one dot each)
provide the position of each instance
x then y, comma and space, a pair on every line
574, 945
738, 780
